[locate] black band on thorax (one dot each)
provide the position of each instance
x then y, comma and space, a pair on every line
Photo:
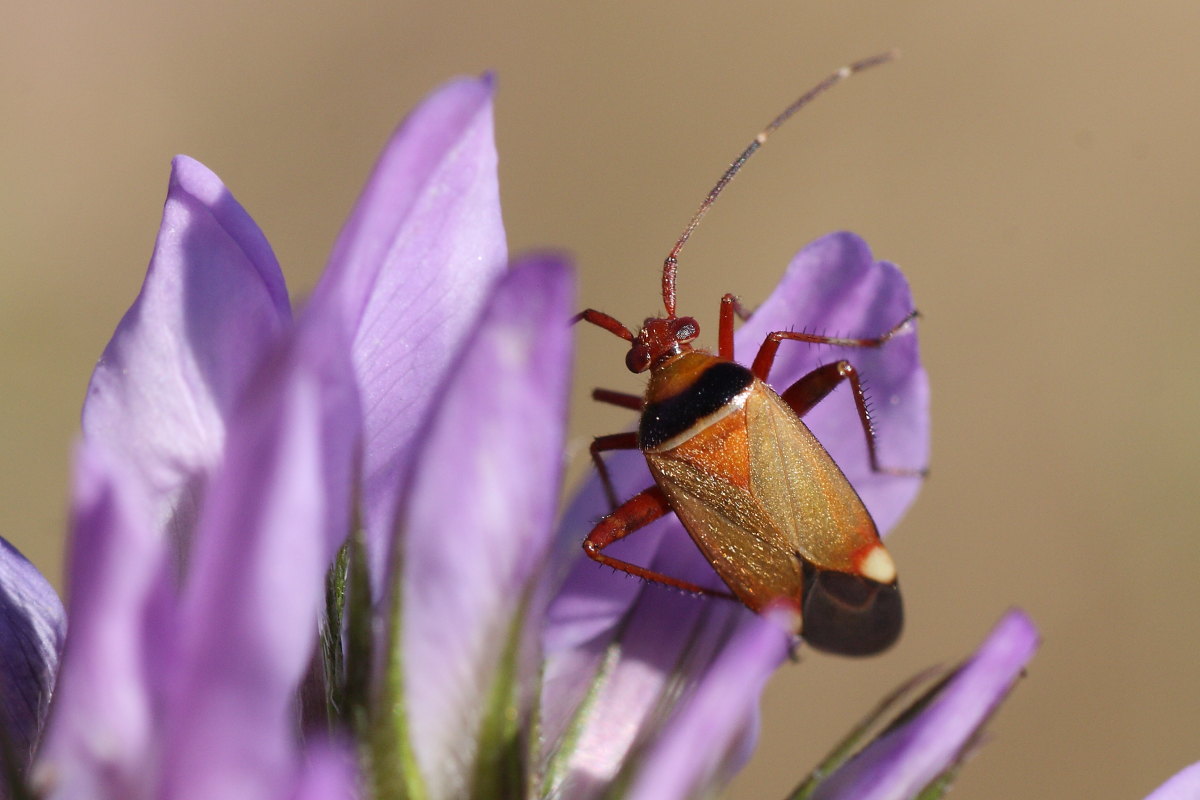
715, 387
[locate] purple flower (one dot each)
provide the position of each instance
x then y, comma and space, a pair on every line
318, 557
226, 450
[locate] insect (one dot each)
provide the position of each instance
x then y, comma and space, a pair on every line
759, 495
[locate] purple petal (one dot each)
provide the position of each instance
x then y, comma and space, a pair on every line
32, 626
835, 286
212, 303
1184, 785
697, 745
480, 516
329, 773
411, 270
664, 638
275, 513
101, 729
903, 762
667, 642
832, 286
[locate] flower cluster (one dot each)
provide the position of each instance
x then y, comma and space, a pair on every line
315, 556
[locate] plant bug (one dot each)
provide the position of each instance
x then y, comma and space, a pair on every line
759, 495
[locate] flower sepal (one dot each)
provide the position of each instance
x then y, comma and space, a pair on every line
886, 714
919, 752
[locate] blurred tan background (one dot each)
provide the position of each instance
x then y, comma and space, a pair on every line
1035, 168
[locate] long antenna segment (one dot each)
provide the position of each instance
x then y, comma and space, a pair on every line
672, 260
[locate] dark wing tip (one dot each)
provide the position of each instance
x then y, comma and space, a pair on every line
848, 614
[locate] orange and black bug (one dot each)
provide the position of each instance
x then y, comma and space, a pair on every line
766, 504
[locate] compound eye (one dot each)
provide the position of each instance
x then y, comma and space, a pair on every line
638, 358
686, 329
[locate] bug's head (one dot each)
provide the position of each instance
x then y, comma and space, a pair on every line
660, 339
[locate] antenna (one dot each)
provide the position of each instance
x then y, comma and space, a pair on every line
672, 260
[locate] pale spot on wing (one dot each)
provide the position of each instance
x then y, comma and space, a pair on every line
878, 565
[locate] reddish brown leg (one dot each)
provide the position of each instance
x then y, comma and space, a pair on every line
633, 401
766, 353
614, 441
635, 513
814, 387
730, 305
